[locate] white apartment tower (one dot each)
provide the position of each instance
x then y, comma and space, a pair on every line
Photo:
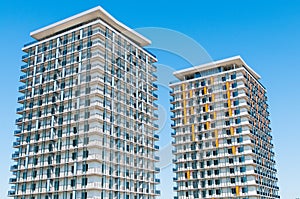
222, 138
87, 117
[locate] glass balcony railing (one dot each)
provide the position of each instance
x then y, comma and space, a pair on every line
14, 167
22, 77
157, 180
157, 192
156, 136
25, 56
24, 66
20, 109
22, 87
21, 98
17, 132
30, 43
15, 155
11, 193
11, 180
16, 143
19, 120
156, 147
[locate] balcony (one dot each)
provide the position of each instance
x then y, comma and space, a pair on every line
156, 147
157, 192
154, 85
20, 109
16, 143
17, 132
156, 126
19, 120
157, 180
11, 193
155, 95
156, 158
12, 180
21, 98
173, 133
24, 66
25, 56
21, 88
30, 43
15, 155
156, 136
14, 167
22, 78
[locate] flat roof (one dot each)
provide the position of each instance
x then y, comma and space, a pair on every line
232, 60
94, 13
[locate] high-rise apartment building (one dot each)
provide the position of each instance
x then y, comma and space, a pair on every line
87, 117
222, 142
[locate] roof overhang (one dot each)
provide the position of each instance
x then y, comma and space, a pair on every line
94, 13
232, 60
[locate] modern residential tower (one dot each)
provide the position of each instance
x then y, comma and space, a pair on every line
87, 117
222, 138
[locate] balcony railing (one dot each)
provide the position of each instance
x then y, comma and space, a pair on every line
16, 143
19, 120
21, 98
20, 109
24, 66
11, 193
30, 43
14, 167
25, 56
22, 87
15, 155
11, 180
17, 132
22, 77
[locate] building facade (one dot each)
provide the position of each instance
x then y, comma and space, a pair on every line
222, 142
87, 117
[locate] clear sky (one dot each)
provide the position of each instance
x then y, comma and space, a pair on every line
265, 33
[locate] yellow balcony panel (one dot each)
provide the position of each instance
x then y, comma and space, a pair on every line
215, 115
192, 110
205, 90
193, 137
234, 150
227, 85
237, 190
213, 97
183, 87
212, 80
229, 103
231, 130
208, 125
217, 142
230, 112
191, 93
188, 174
206, 107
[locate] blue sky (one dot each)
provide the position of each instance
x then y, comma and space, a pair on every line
265, 33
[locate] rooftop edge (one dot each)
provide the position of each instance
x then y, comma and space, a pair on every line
94, 13
231, 60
